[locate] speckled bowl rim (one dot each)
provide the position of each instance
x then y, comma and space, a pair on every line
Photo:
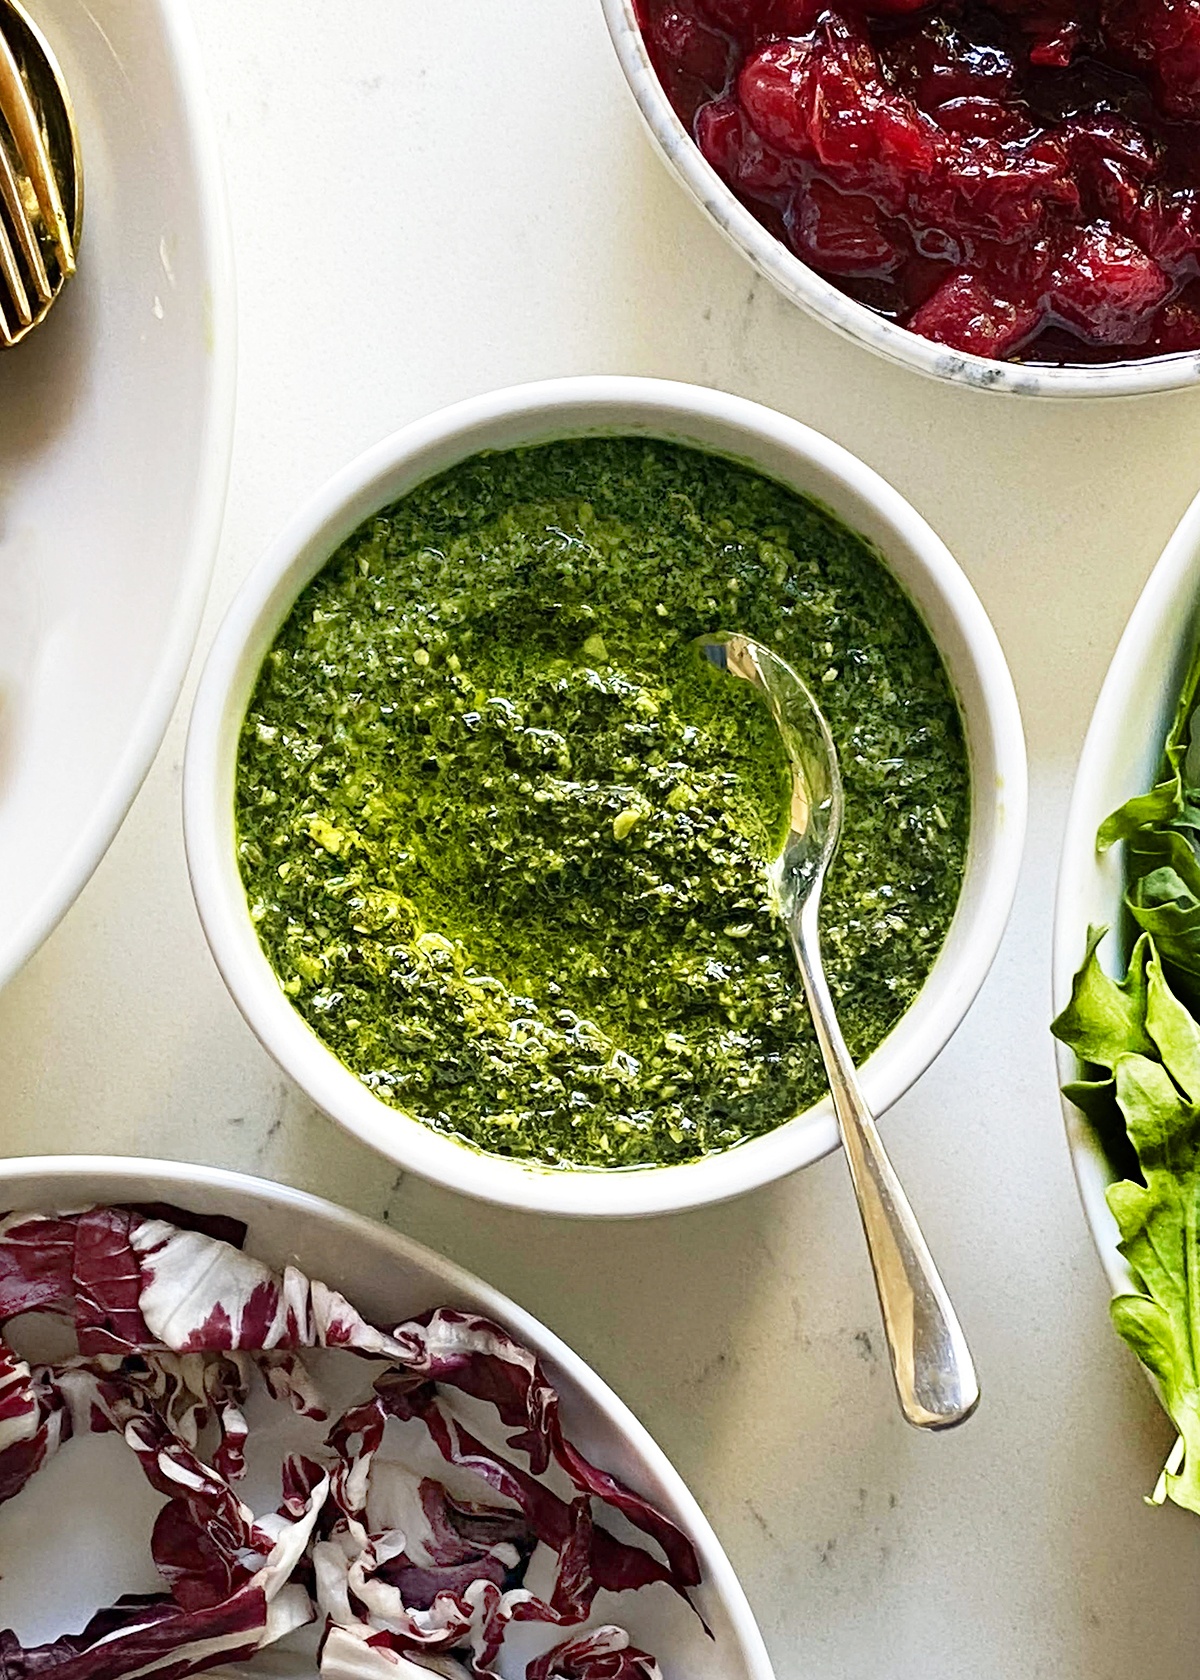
773, 444
803, 285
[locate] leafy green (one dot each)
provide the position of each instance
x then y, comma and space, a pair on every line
1105, 1018
1139, 1045
1138, 1032
1161, 831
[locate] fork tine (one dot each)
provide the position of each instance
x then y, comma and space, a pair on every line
17, 110
10, 195
12, 278
6, 337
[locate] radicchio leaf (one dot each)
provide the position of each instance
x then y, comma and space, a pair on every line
460, 1350
609, 1563
603, 1654
33, 1423
173, 1323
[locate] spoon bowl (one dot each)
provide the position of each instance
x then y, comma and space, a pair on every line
816, 805
931, 1364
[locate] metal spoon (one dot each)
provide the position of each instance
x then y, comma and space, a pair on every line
41, 177
931, 1364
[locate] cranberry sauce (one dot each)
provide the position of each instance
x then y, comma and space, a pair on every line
1015, 180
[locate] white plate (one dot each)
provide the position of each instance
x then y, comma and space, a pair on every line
115, 424
1120, 757
389, 1279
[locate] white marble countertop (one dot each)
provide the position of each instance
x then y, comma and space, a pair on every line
523, 228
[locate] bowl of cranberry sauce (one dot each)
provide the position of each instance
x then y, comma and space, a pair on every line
1004, 194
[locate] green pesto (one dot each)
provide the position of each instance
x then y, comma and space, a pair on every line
503, 836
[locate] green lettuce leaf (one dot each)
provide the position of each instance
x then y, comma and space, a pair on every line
1164, 899
1138, 1033
1161, 832
1106, 1018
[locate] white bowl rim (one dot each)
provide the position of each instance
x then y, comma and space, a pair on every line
200, 549
823, 300
718, 1572
1093, 1173
664, 406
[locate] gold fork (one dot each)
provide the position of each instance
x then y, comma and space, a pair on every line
41, 178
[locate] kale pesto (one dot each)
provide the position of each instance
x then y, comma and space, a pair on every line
503, 837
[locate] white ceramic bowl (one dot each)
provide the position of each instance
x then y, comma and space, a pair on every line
782, 449
816, 295
389, 1278
1120, 757
114, 449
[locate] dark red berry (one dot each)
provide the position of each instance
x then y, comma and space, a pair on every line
841, 234
823, 97
741, 18
694, 47
1167, 227
777, 87
1161, 38
1176, 329
986, 189
740, 155
825, 83
795, 17
967, 314
982, 119
938, 63
1055, 30
1106, 288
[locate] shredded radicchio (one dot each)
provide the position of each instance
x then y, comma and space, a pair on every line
174, 1325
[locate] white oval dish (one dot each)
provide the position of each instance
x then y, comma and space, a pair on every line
816, 295
1120, 757
390, 1278
782, 449
118, 418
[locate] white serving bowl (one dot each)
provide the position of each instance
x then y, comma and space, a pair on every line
389, 1278
782, 449
1120, 758
796, 280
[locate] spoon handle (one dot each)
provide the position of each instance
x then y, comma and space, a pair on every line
931, 1363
